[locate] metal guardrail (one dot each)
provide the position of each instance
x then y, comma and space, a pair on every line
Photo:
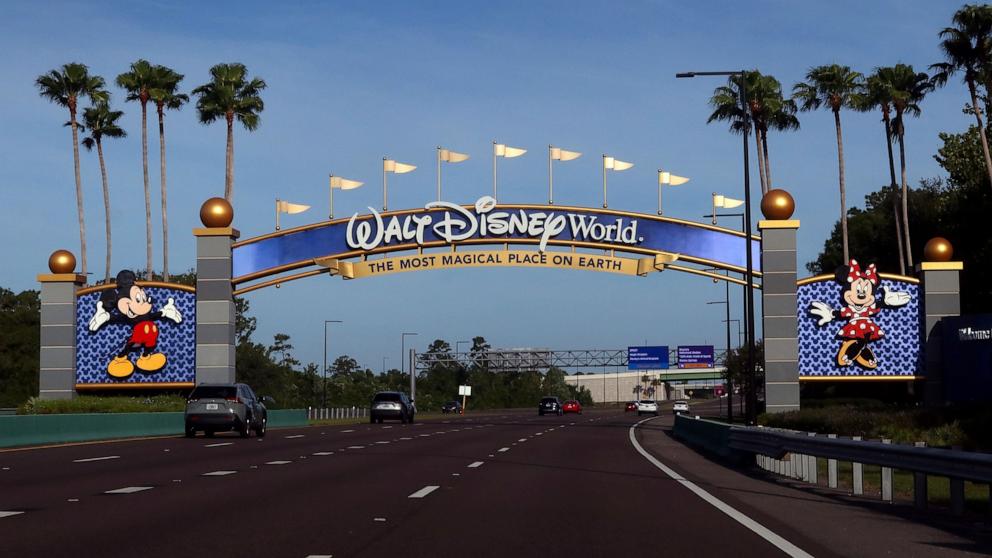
336, 413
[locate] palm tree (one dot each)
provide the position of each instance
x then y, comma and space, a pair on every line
138, 82
230, 95
967, 49
101, 122
908, 90
877, 94
767, 110
834, 87
166, 95
64, 87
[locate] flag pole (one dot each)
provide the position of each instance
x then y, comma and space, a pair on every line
659, 192
551, 179
604, 181
494, 169
277, 213
713, 197
439, 173
330, 184
384, 202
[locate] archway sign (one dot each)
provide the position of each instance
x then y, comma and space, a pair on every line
859, 324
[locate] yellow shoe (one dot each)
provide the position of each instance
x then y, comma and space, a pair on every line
842, 359
120, 368
151, 363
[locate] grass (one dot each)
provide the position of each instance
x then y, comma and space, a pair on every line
101, 404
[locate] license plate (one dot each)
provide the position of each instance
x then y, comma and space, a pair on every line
211, 406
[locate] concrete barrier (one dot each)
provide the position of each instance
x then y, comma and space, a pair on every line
31, 430
709, 435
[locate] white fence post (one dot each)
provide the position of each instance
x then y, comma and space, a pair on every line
858, 475
832, 468
886, 478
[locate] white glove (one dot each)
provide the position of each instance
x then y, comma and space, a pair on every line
823, 310
896, 298
100, 317
170, 311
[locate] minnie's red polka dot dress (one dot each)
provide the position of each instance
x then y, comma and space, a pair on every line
860, 325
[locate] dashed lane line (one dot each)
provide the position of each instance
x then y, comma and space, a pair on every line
219, 444
346, 431
475, 464
10, 513
356, 447
91, 459
294, 436
219, 473
501, 450
423, 491
128, 490
522, 440
757, 528
323, 453
278, 462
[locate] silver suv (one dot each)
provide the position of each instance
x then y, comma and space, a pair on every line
221, 407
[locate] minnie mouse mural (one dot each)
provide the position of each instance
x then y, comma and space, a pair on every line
862, 299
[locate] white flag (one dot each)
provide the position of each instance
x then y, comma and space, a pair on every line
725, 202
290, 208
611, 163
501, 150
559, 154
449, 156
390, 165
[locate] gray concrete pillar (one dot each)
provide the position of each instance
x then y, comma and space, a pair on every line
940, 290
57, 370
215, 339
779, 319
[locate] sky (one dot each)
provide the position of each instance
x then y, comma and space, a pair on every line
351, 82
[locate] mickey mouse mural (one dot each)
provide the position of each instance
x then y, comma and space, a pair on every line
129, 304
862, 298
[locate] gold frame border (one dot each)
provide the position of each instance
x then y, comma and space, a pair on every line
132, 385
825, 277
861, 378
161, 284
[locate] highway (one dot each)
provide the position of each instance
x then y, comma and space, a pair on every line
510, 483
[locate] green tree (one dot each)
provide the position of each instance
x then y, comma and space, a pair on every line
967, 49
166, 95
101, 122
138, 82
19, 346
65, 86
834, 87
232, 96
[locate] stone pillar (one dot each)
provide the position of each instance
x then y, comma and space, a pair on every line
57, 363
779, 323
215, 315
940, 291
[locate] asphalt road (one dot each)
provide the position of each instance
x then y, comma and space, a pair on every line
510, 484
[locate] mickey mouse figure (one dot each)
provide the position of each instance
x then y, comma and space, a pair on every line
130, 304
860, 303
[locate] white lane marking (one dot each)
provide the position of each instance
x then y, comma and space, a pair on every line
538, 433
406, 438
522, 440
346, 431
380, 519
382, 442
456, 474
219, 473
323, 453
278, 462
294, 436
89, 459
385, 427
4, 514
757, 528
501, 450
128, 490
475, 464
424, 435
423, 491
454, 430
320, 556
356, 447
217, 445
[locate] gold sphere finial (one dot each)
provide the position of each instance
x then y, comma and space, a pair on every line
938, 249
216, 213
62, 261
777, 205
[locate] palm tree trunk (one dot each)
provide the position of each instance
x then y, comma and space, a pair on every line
768, 164
905, 195
843, 189
79, 190
148, 192
895, 191
229, 173
761, 163
165, 214
981, 128
106, 206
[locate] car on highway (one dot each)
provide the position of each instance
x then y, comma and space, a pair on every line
647, 406
631, 406
571, 406
549, 405
680, 406
221, 407
451, 407
391, 405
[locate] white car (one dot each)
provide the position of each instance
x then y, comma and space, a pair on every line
680, 406
647, 406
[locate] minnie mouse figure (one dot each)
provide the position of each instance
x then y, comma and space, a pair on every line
130, 304
860, 295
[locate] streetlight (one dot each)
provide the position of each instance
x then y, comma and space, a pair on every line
384, 359
749, 274
413, 377
557, 154
613, 164
447, 156
669, 179
730, 384
389, 165
324, 397
505, 151
340, 184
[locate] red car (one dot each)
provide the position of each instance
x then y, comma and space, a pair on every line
631, 406
571, 406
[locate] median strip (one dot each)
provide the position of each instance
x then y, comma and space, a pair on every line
423, 491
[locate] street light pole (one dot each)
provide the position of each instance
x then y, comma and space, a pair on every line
323, 398
413, 376
749, 275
